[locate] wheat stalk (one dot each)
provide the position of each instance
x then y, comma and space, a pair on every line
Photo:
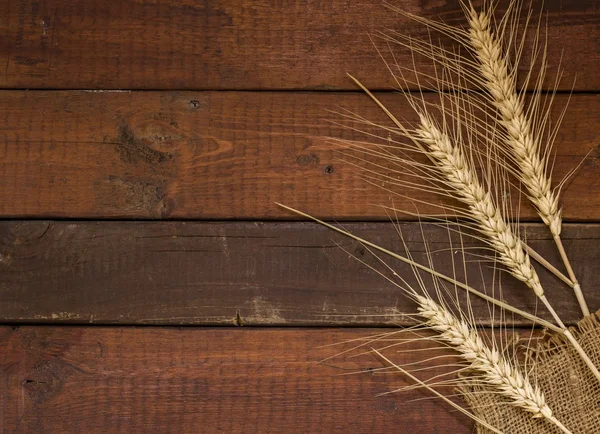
502, 88
497, 372
459, 175
417, 266
520, 138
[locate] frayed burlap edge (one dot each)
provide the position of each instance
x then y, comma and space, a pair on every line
571, 390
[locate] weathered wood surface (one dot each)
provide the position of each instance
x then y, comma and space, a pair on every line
243, 44
233, 273
212, 155
224, 155
166, 380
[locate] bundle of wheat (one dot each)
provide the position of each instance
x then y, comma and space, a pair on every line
471, 147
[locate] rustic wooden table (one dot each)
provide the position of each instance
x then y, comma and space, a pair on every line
148, 283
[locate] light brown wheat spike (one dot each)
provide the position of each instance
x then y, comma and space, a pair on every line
497, 372
521, 137
502, 88
455, 167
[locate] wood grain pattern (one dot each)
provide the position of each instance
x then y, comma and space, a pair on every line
222, 155
246, 274
227, 154
242, 44
165, 380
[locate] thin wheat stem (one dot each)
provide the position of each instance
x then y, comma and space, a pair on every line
556, 422
438, 394
571, 339
576, 286
458, 284
581, 353
521, 138
539, 258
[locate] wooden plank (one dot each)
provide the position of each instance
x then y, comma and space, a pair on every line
233, 273
222, 155
243, 44
160, 380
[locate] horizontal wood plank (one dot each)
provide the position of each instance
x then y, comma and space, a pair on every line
265, 274
243, 44
161, 380
223, 155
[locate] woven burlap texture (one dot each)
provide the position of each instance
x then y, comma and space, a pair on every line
571, 390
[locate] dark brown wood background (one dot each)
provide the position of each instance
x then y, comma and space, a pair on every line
142, 147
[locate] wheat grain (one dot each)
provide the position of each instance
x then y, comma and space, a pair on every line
498, 373
520, 138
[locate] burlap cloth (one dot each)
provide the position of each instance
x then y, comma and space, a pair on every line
571, 390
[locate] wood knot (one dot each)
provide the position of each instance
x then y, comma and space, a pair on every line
132, 150
20, 233
135, 195
43, 381
307, 159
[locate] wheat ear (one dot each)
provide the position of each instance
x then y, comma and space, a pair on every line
497, 372
459, 175
452, 163
520, 138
